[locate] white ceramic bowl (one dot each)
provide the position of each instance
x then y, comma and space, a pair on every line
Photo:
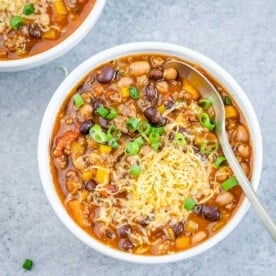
128, 49
60, 49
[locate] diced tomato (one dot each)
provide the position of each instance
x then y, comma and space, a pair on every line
65, 140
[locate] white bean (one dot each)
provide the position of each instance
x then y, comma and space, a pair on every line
162, 86
198, 237
244, 151
170, 74
224, 198
223, 173
139, 68
242, 134
125, 82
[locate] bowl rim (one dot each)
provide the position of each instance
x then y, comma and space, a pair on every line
61, 48
131, 49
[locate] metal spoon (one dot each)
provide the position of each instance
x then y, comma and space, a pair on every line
207, 90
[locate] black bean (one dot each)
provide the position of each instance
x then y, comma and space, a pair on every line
87, 85
125, 244
97, 103
106, 75
34, 31
211, 213
150, 93
154, 117
151, 115
90, 185
155, 74
104, 123
85, 126
123, 231
178, 228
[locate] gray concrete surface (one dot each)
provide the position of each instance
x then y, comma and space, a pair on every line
240, 35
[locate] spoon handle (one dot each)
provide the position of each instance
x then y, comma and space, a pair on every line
247, 188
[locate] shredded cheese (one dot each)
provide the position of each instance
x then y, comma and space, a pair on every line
168, 178
155, 200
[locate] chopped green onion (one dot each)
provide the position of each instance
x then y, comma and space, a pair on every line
78, 100
132, 124
111, 114
113, 133
180, 139
135, 170
154, 137
134, 93
206, 121
229, 183
27, 264
144, 127
219, 161
29, 9
189, 204
140, 141
227, 100
102, 111
16, 22
97, 134
209, 147
94, 128
155, 145
113, 143
159, 130
108, 114
132, 148
99, 137
205, 103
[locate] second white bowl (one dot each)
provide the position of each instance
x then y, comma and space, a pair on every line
60, 49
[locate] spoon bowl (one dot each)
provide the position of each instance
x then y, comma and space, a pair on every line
207, 90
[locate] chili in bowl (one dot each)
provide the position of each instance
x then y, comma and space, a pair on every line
129, 159
35, 32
